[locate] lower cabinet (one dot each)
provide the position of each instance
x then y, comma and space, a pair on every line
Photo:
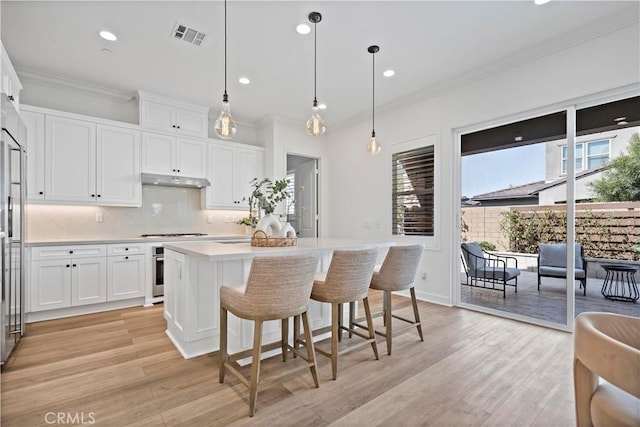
125, 277
68, 282
71, 276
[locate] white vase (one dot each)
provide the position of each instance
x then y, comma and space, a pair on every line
287, 230
270, 225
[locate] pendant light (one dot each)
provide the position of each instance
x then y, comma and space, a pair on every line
373, 147
315, 125
225, 126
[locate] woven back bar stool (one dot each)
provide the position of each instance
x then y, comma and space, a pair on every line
278, 287
398, 273
346, 281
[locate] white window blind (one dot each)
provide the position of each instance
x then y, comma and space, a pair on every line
413, 192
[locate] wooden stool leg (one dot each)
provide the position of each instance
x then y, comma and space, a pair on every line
296, 333
285, 338
336, 314
339, 322
416, 313
255, 367
352, 317
372, 333
223, 343
387, 320
311, 353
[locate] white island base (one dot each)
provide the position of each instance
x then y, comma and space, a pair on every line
194, 273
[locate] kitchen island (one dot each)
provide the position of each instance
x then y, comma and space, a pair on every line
195, 271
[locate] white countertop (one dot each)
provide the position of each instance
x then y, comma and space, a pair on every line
220, 251
136, 239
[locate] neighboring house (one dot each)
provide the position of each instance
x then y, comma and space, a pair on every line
593, 152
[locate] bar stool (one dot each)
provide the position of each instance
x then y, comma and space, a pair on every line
397, 273
346, 281
277, 288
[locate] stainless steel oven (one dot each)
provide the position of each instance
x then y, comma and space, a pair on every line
158, 271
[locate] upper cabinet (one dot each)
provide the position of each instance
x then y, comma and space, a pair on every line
82, 161
172, 116
231, 169
170, 155
10, 85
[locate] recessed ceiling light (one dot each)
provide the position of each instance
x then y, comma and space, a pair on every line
322, 106
108, 35
623, 122
619, 119
105, 50
388, 73
303, 29
244, 80
540, 2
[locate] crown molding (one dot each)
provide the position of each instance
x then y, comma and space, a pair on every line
67, 85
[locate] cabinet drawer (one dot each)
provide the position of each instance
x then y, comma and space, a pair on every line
125, 249
75, 251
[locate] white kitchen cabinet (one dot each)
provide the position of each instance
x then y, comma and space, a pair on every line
70, 160
9, 82
231, 169
66, 276
172, 116
118, 166
166, 154
174, 280
125, 276
91, 163
34, 122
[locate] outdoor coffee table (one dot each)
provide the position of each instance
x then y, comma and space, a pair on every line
620, 283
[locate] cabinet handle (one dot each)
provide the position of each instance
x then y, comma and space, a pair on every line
178, 170
126, 257
178, 126
70, 252
40, 192
68, 266
74, 265
93, 195
173, 126
99, 195
126, 249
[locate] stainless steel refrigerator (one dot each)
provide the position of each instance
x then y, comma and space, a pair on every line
12, 227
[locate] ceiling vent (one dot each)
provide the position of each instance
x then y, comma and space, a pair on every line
182, 32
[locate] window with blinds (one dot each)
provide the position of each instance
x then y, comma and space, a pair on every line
413, 192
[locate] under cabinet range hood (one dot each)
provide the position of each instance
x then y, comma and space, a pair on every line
174, 181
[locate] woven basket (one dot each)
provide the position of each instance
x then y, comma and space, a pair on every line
261, 239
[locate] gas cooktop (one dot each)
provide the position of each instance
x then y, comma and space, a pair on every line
173, 235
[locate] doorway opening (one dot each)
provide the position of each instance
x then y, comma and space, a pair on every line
303, 176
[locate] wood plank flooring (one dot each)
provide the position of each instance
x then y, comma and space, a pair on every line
120, 369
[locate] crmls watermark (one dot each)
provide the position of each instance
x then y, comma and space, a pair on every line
81, 418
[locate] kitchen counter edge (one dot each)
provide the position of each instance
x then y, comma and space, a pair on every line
116, 240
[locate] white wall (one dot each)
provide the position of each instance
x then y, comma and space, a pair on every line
360, 187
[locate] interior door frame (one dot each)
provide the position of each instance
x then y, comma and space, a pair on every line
317, 183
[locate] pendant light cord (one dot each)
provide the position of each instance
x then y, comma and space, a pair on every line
225, 51
373, 101
315, 66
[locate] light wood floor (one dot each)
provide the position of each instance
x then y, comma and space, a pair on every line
119, 369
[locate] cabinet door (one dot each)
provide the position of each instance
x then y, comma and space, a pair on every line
35, 158
70, 159
158, 153
125, 277
118, 166
50, 284
192, 158
88, 280
192, 122
174, 293
157, 115
221, 193
249, 165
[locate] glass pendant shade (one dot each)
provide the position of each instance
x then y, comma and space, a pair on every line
373, 147
315, 125
225, 126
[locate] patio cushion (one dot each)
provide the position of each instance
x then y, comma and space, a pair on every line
474, 256
559, 272
498, 273
555, 255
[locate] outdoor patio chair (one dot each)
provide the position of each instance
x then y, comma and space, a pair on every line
486, 270
552, 262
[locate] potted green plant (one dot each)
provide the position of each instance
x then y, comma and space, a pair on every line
265, 197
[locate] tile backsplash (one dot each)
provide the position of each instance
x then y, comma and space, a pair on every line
163, 210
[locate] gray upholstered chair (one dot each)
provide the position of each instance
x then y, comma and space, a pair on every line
552, 262
398, 273
347, 281
486, 270
606, 347
278, 287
